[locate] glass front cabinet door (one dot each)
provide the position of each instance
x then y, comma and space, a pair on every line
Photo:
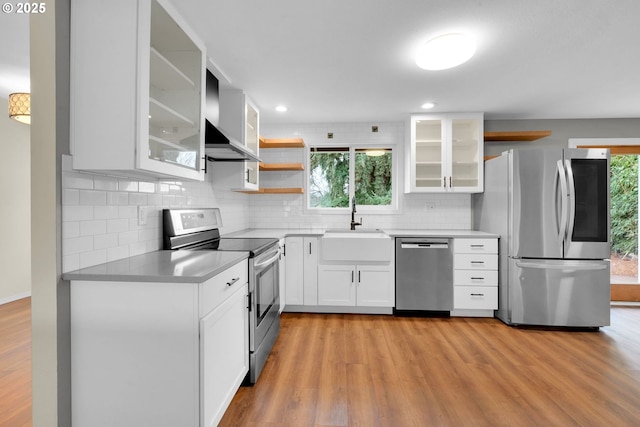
446, 154
136, 96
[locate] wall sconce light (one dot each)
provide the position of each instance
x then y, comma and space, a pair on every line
20, 107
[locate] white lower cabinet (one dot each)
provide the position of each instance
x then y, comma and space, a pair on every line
224, 355
301, 275
355, 285
475, 277
158, 354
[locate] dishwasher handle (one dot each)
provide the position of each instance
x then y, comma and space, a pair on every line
424, 245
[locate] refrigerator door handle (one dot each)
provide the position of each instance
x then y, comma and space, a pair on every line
572, 199
562, 227
564, 266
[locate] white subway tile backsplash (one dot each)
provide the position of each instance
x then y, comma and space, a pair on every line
77, 245
146, 187
104, 183
91, 228
138, 199
117, 198
87, 259
77, 213
70, 197
77, 180
70, 229
103, 241
125, 185
127, 237
118, 252
105, 212
117, 225
92, 197
128, 211
100, 214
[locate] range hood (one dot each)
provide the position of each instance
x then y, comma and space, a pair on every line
217, 145
221, 148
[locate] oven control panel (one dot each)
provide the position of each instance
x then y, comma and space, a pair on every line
183, 221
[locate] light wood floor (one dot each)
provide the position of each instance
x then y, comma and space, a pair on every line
15, 363
354, 370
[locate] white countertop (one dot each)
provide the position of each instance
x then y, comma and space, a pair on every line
284, 232
161, 266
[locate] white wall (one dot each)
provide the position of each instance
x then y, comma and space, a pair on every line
15, 215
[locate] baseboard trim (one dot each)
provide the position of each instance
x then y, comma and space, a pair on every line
13, 298
625, 292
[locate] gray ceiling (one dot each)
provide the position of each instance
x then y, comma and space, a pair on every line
352, 60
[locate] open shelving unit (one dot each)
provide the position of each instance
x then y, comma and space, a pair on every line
281, 143
514, 136
280, 167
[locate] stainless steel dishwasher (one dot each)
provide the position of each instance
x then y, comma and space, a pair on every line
424, 275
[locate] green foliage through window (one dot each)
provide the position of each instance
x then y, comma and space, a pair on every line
373, 178
330, 183
624, 204
329, 179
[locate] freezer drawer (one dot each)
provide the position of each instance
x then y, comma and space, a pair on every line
559, 293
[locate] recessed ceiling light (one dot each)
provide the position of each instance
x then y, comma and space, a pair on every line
446, 51
428, 105
281, 108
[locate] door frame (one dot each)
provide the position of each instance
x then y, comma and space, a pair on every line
619, 292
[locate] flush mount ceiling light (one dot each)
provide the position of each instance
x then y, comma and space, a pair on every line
445, 51
428, 105
281, 108
20, 107
375, 153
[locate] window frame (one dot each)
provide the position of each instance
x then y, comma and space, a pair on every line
392, 208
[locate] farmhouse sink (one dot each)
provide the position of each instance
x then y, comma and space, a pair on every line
363, 245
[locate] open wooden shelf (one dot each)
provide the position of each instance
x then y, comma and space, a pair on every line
513, 136
281, 143
294, 190
272, 167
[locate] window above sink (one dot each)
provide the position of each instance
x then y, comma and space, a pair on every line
339, 173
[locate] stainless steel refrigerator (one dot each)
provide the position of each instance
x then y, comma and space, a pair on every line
551, 210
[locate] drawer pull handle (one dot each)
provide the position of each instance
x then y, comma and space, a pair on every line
477, 295
477, 262
477, 246
477, 278
233, 281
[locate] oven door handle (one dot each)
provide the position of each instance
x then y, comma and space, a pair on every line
268, 261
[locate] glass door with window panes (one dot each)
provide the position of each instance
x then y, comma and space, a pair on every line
429, 154
465, 153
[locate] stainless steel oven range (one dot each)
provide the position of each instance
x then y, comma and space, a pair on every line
198, 229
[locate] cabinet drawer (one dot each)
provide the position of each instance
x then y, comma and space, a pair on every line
475, 277
475, 297
215, 290
475, 262
472, 246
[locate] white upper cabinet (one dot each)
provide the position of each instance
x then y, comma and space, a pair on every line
446, 154
137, 90
240, 119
